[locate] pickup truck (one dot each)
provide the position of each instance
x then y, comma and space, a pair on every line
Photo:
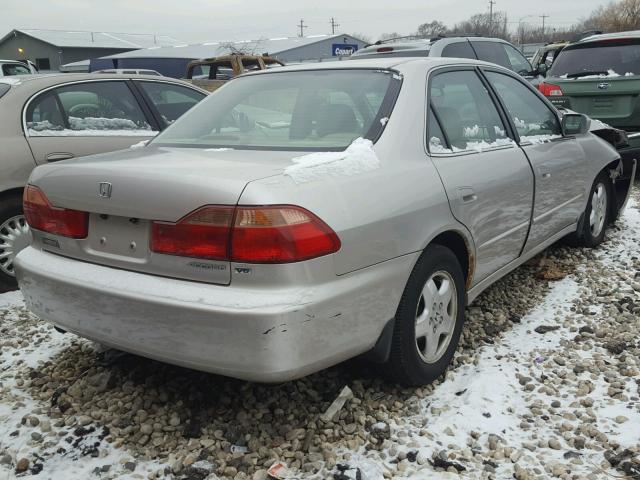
212, 73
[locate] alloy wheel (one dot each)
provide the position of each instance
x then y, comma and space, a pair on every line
436, 316
14, 236
598, 209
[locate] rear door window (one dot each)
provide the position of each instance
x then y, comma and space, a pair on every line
459, 50
171, 101
492, 52
88, 109
467, 114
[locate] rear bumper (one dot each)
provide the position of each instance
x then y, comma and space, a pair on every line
257, 335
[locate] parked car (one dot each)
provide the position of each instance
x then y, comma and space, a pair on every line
47, 118
305, 215
212, 73
10, 68
494, 50
600, 77
545, 56
130, 71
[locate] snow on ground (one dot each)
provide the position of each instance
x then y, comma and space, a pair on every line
543, 395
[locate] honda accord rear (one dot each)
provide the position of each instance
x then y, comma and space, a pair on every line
207, 249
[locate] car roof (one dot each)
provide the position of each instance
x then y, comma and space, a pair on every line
48, 79
422, 43
373, 63
44, 80
608, 36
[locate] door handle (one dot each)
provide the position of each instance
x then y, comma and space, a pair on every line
544, 171
467, 194
56, 157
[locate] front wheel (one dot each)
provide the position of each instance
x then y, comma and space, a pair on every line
14, 236
596, 215
429, 318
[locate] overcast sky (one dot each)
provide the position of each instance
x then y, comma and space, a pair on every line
201, 20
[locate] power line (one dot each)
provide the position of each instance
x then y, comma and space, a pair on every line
334, 25
302, 26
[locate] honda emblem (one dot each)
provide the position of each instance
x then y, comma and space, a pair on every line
604, 86
105, 190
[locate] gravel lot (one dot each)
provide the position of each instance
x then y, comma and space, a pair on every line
545, 385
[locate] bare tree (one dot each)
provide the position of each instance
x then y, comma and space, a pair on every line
431, 29
388, 36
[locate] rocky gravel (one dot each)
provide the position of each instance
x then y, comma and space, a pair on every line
545, 384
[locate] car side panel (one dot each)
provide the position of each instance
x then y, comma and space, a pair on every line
16, 160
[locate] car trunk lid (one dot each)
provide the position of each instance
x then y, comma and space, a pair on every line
614, 100
124, 192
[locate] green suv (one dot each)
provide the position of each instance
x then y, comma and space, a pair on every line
600, 77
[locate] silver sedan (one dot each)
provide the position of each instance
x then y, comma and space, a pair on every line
302, 216
48, 118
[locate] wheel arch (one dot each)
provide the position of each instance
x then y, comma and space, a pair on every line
11, 192
460, 245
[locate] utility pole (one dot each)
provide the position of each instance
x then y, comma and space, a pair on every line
302, 26
334, 25
491, 4
543, 17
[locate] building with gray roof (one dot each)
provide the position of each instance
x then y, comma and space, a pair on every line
49, 49
172, 60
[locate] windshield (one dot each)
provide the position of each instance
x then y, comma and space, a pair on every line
15, 69
314, 110
612, 58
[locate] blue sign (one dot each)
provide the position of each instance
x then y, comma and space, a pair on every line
343, 49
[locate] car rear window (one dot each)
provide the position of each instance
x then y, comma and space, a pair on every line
309, 110
615, 57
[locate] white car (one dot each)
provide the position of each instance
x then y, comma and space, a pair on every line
10, 68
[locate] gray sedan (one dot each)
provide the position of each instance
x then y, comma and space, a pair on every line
47, 118
302, 216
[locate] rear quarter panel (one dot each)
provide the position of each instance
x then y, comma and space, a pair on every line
381, 214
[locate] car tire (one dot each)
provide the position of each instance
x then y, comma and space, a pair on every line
429, 319
14, 232
597, 215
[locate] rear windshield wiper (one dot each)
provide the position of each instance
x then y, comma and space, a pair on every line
589, 73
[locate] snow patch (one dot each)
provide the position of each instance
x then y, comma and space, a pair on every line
140, 144
539, 138
218, 149
358, 158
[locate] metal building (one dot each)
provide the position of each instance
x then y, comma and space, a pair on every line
49, 49
172, 61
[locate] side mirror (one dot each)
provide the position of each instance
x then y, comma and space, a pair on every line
575, 124
543, 69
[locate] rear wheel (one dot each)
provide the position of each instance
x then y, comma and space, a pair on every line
597, 213
14, 236
429, 318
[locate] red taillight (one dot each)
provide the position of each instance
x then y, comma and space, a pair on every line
384, 49
271, 234
202, 234
280, 234
41, 215
550, 90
